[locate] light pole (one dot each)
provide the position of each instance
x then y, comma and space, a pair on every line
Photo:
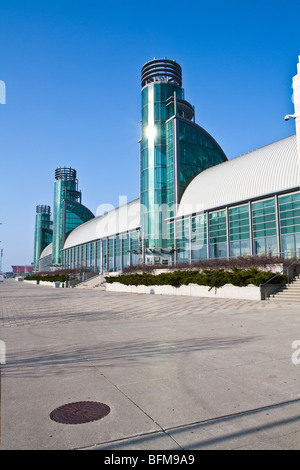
288, 116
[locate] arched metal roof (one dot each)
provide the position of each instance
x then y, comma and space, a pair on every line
119, 220
267, 170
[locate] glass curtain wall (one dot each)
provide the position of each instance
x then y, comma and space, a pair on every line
61, 187
218, 234
197, 151
183, 240
74, 214
199, 238
190, 235
43, 232
108, 254
170, 168
264, 227
68, 211
154, 209
118, 253
239, 231
289, 208
173, 148
104, 255
126, 250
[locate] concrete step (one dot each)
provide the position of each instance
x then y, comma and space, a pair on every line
286, 299
285, 296
290, 289
289, 292
94, 282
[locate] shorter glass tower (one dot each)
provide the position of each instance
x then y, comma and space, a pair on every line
68, 211
43, 231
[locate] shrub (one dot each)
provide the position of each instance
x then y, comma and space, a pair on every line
240, 262
209, 277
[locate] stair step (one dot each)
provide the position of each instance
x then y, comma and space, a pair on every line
94, 282
289, 292
290, 288
286, 296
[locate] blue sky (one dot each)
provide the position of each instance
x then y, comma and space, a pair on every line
72, 75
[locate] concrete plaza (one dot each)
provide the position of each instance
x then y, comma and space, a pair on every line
177, 372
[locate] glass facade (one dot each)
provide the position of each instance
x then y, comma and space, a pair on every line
43, 232
74, 214
199, 237
218, 234
253, 228
196, 152
173, 149
239, 231
265, 227
105, 255
153, 184
61, 188
289, 207
170, 168
190, 150
183, 240
68, 211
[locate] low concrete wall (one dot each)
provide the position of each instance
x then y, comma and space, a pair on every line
44, 283
228, 291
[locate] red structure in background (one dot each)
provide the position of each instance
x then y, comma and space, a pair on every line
20, 270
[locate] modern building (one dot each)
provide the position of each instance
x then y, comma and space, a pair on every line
194, 203
43, 232
173, 149
68, 213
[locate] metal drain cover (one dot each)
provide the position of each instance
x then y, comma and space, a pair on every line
80, 412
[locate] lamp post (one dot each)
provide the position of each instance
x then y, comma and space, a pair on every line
288, 116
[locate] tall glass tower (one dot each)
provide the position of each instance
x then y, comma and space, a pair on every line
68, 211
161, 80
43, 231
173, 150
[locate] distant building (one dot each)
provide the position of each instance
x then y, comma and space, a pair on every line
68, 213
21, 270
43, 232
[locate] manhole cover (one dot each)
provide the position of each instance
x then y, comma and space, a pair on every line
80, 412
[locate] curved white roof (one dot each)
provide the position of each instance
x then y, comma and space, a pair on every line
126, 217
46, 251
263, 171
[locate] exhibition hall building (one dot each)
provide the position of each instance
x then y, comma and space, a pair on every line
194, 202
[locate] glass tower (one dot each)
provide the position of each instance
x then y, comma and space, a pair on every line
43, 231
161, 79
173, 150
68, 211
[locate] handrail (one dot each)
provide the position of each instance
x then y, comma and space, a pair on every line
278, 274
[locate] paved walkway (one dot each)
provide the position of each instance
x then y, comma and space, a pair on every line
177, 372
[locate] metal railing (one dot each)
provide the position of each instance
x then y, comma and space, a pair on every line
296, 261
